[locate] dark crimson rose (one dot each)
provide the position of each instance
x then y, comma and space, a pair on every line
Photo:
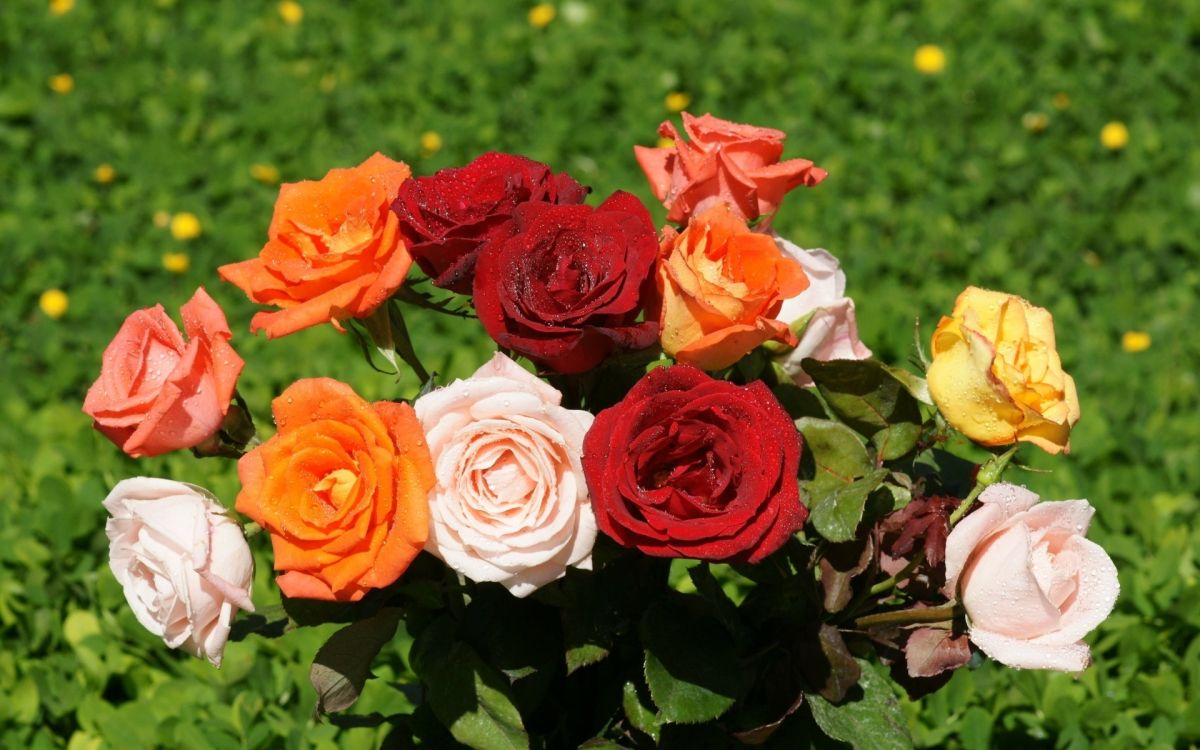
566, 288
447, 217
690, 466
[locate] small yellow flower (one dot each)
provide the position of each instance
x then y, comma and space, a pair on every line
666, 143
1135, 341
62, 83
929, 59
161, 219
1061, 100
176, 262
1114, 136
291, 12
61, 7
431, 143
1035, 122
267, 174
54, 302
105, 174
185, 226
541, 15
677, 101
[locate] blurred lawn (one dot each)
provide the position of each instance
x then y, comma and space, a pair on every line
117, 116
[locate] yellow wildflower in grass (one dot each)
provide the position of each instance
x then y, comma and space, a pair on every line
61, 7
105, 174
1135, 341
541, 15
185, 226
929, 59
666, 143
62, 83
291, 12
1035, 122
267, 174
176, 262
1114, 136
431, 143
161, 219
1061, 100
677, 101
54, 302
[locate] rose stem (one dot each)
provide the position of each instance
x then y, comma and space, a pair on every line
989, 474
908, 616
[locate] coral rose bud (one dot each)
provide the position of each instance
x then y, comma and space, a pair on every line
996, 375
1031, 584
184, 565
158, 393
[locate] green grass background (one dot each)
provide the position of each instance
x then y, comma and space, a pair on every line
935, 183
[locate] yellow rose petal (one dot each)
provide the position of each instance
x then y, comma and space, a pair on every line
431, 143
666, 143
929, 59
185, 226
677, 101
61, 7
265, 173
1135, 341
105, 174
1114, 136
54, 303
176, 262
541, 15
62, 83
291, 12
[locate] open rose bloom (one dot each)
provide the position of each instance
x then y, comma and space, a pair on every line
1032, 585
510, 504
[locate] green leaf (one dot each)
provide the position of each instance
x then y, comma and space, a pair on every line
836, 515
895, 440
642, 718
863, 394
342, 665
472, 699
869, 719
691, 665
837, 452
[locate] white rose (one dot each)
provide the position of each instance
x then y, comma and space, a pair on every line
184, 565
510, 504
832, 329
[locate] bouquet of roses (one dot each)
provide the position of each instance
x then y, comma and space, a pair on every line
696, 394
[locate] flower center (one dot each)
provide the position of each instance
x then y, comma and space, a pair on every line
336, 487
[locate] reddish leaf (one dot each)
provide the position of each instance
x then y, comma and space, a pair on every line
931, 651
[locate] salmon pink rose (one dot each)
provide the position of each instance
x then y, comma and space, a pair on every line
724, 162
1031, 584
448, 217
183, 564
342, 488
690, 466
722, 287
996, 375
157, 392
333, 251
821, 316
510, 504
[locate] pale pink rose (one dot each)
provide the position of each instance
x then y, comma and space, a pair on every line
510, 504
1032, 585
832, 330
723, 162
184, 565
157, 393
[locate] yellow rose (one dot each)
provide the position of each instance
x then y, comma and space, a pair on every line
996, 375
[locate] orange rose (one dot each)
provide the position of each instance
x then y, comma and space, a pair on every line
721, 287
341, 488
333, 250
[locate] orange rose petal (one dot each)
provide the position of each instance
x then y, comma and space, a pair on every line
298, 585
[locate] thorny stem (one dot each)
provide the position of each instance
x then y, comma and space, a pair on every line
889, 583
908, 616
989, 474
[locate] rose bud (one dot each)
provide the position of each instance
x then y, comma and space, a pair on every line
184, 565
690, 466
510, 504
724, 162
1031, 584
996, 376
158, 393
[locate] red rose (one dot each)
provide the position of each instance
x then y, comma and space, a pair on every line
566, 289
690, 466
447, 217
